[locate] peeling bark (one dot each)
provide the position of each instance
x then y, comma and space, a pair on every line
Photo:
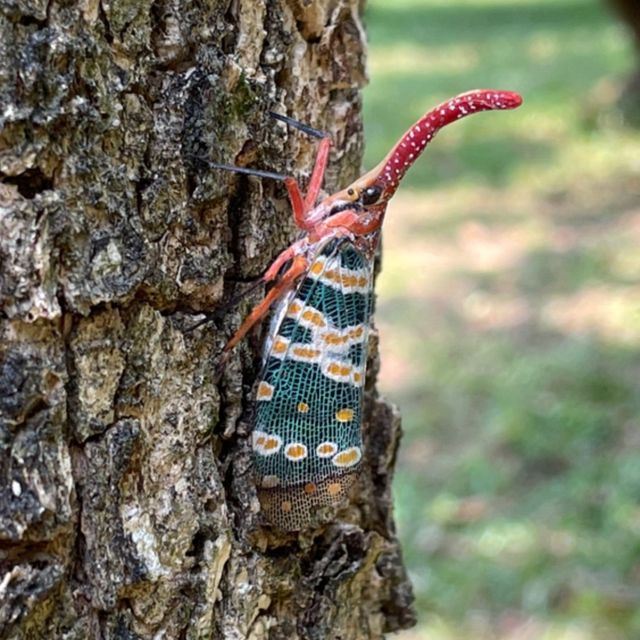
127, 507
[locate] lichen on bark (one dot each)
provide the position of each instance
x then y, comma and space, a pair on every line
127, 507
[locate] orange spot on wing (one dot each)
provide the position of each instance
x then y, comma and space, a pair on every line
279, 346
303, 407
306, 352
310, 488
265, 390
334, 338
317, 267
326, 449
296, 451
334, 488
344, 415
314, 317
338, 369
270, 444
347, 457
330, 275
286, 506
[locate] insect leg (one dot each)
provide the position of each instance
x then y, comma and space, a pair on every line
295, 195
318, 173
288, 254
215, 315
298, 267
299, 212
302, 206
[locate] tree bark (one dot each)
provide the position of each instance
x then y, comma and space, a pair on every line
629, 99
629, 12
128, 508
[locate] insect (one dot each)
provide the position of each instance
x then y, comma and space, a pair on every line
307, 440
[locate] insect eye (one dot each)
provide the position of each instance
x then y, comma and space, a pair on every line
370, 195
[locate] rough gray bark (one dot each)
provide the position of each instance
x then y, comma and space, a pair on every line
127, 506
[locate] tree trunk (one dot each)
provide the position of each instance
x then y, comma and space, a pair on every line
629, 11
629, 98
128, 508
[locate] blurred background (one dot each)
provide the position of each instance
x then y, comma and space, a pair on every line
509, 313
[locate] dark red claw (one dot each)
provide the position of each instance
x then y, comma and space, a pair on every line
412, 144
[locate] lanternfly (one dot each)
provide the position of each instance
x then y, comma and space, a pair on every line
307, 438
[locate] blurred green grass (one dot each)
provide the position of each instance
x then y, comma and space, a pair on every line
509, 310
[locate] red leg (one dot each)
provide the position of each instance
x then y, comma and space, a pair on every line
276, 265
318, 173
297, 203
298, 267
300, 206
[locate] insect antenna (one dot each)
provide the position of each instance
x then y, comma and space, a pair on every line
261, 173
314, 133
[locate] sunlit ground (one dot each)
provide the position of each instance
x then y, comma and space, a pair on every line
509, 312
